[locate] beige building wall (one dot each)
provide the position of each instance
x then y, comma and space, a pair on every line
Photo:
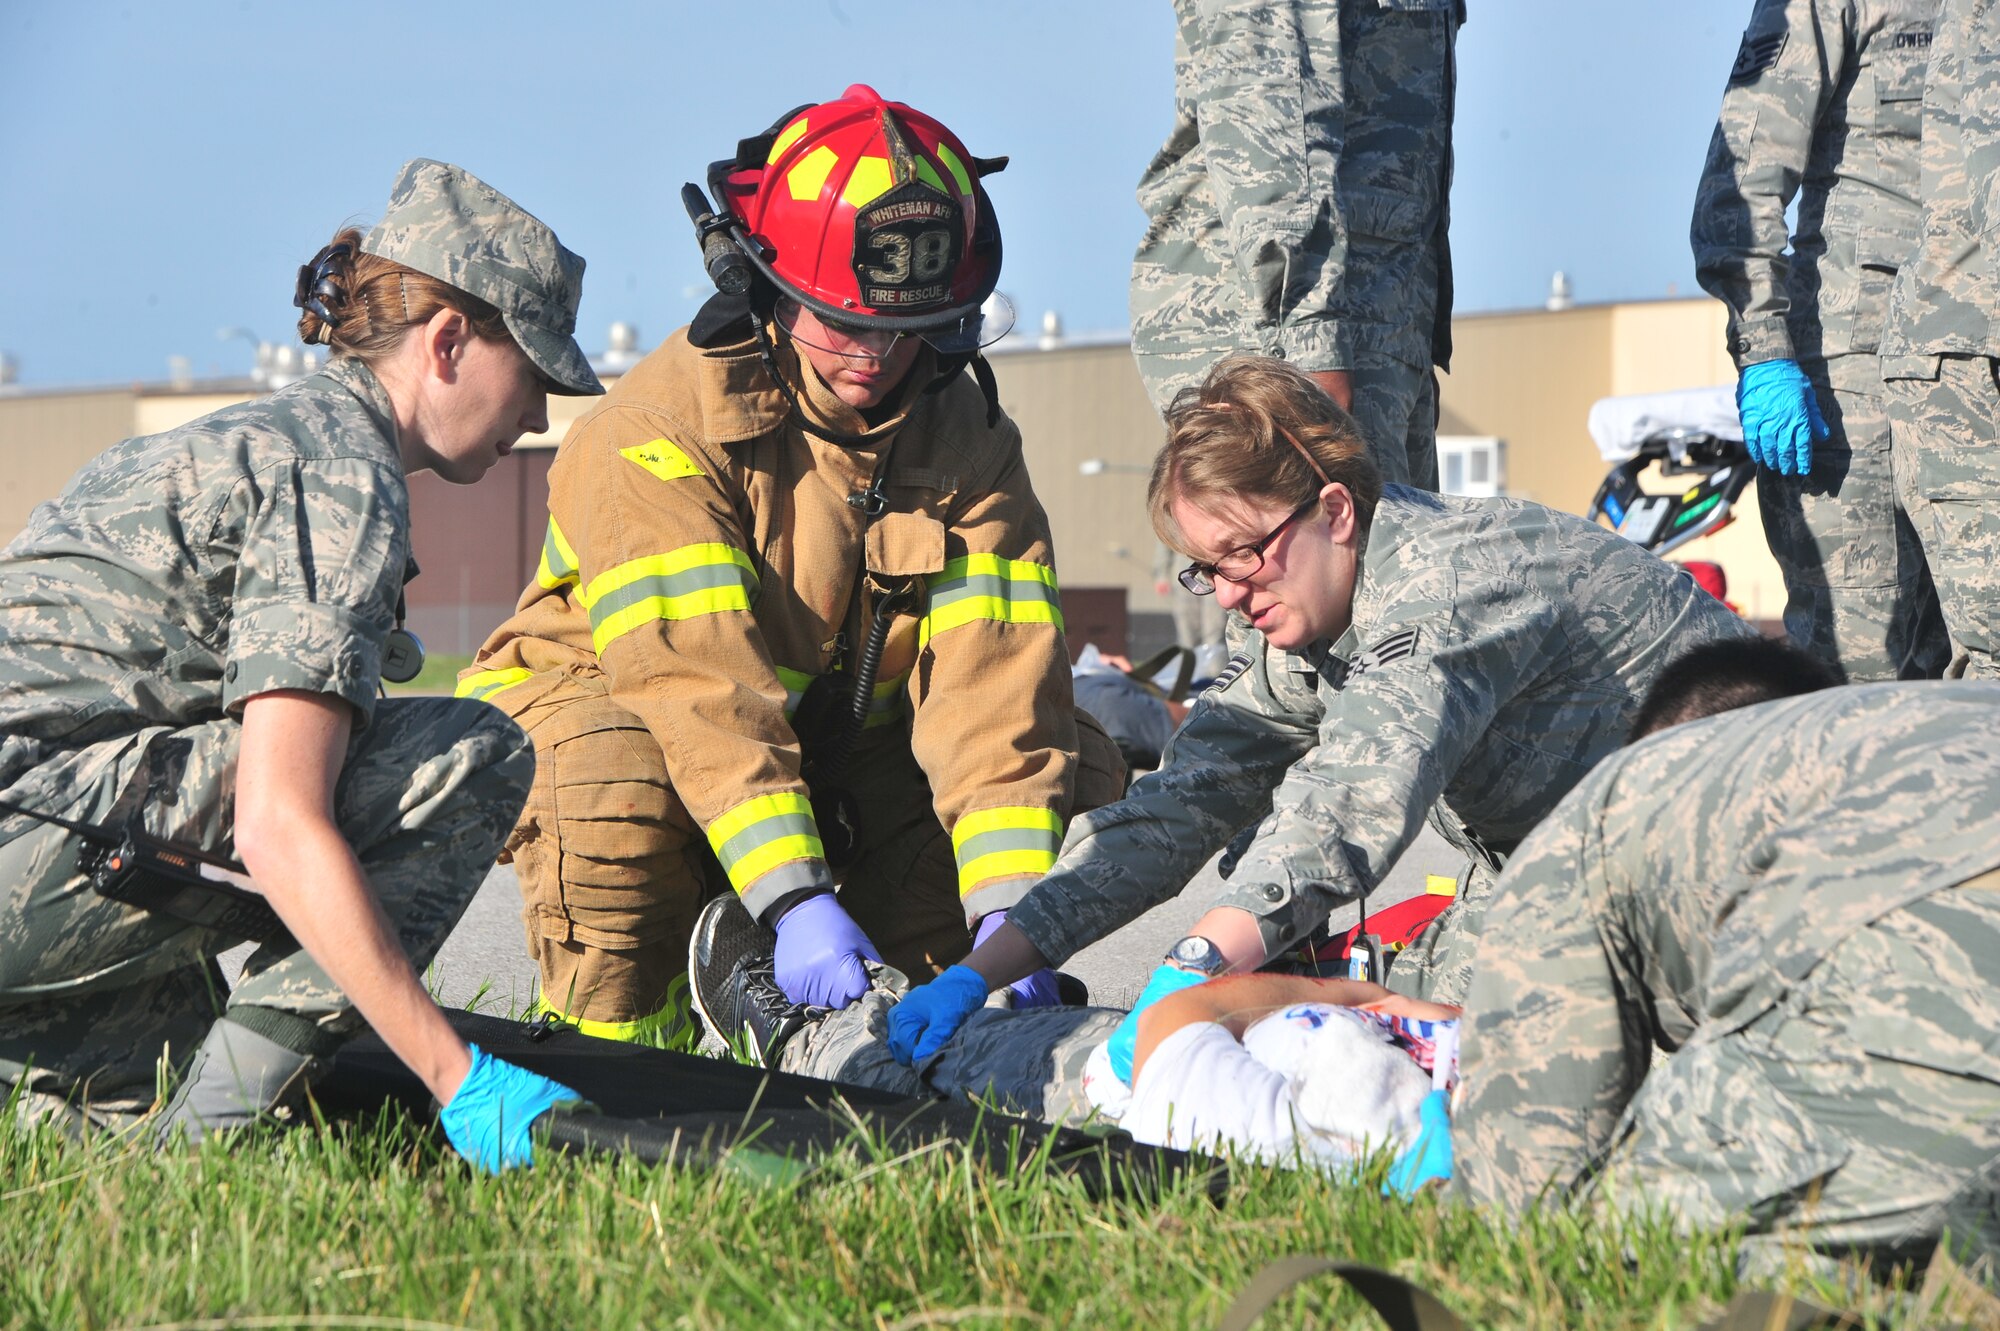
1529, 378
1525, 377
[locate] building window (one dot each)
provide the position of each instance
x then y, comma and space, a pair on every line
1471, 465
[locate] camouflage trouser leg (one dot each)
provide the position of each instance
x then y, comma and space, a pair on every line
94, 993
1437, 965
1197, 619
1187, 314
903, 887
1854, 1118
1028, 1062
1396, 406
1858, 592
1947, 462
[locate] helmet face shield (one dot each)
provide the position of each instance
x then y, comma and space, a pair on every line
826, 333
869, 213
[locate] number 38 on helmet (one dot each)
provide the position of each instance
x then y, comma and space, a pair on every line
870, 214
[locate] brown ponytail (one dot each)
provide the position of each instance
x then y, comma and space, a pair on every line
360, 304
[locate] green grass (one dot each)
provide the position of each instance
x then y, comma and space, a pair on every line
439, 675
377, 1225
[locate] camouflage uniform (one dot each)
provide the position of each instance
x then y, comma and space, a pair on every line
1027, 1062
1823, 103
1940, 344
263, 547
1796, 902
1497, 650
1299, 207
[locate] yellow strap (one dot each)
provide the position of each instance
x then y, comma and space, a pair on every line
1440, 885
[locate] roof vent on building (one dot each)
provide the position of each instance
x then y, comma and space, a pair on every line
10, 368
621, 349
1052, 331
1561, 295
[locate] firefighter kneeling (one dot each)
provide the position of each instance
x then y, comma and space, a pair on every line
796, 620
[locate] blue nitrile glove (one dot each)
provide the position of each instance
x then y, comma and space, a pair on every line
931, 1014
1124, 1041
1034, 990
1429, 1156
1780, 415
491, 1114
819, 953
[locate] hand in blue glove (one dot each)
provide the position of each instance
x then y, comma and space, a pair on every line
931, 1014
1780, 415
492, 1113
1124, 1041
1037, 989
1429, 1156
819, 953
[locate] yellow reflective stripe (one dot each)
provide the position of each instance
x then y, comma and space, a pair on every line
885, 708
673, 1014
558, 564
1004, 864
957, 169
749, 868
1007, 842
702, 579
489, 682
786, 139
762, 833
1006, 818
975, 587
796, 683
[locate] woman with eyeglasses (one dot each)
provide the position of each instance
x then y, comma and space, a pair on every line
796, 625
194, 638
1411, 654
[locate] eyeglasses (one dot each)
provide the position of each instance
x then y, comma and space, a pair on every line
1242, 562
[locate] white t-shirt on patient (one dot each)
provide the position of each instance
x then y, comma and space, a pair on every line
1314, 1084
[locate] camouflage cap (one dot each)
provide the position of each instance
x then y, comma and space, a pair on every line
445, 221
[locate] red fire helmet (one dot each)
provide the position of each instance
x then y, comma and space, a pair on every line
871, 214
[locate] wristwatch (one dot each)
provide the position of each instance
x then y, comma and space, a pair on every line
1195, 953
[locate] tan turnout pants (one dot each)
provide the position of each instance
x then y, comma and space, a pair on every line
613, 869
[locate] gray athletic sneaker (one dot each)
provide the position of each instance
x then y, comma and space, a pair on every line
732, 973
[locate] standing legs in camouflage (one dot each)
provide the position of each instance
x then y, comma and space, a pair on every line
1947, 464
97, 998
1858, 590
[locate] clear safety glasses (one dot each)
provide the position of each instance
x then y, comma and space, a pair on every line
994, 320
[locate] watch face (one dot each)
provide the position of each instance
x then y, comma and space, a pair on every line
1196, 953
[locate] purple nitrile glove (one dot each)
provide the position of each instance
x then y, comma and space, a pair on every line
490, 1120
931, 1014
819, 954
1034, 990
1780, 414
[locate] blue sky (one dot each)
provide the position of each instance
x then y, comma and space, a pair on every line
166, 166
